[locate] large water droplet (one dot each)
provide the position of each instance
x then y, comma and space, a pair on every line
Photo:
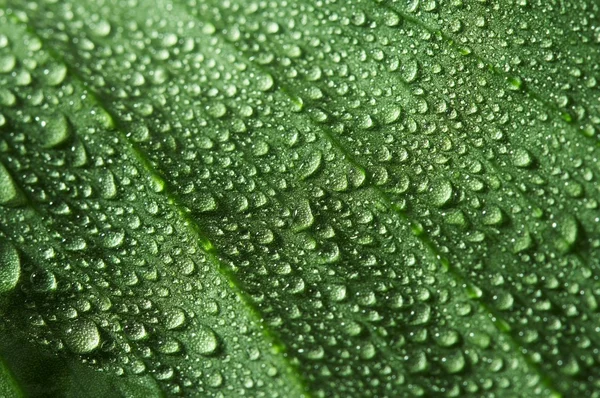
55, 74
174, 318
10, 267
55, 131
441, 193
82, 337
203, 341
7, 63
10, 195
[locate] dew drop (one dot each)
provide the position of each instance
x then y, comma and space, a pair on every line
303, 216
10, 195
10, 267
391, 114
55, 131
446, 338
410, 71
55, 74
441, 193
135, 331
454, 363
311, 165
7, 63
337, 292
418, 363
174, 318
107, 185
480, 339
82, 337
43, 281
113, 239
493, 216
215, 379
521, 158
168, 346
265, 82
101, 28
7, 98
203, 341
420, 314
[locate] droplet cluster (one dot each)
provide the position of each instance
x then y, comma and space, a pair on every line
366, 198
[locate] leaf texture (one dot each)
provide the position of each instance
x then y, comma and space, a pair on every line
319, 198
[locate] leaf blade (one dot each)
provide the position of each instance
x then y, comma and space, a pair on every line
408, 199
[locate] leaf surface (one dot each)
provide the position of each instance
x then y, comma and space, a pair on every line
366, 198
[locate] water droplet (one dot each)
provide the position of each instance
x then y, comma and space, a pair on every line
410, 71
43, 281
215, 379
7, 98
493, 216
217, 110
522, 243
55, 74
417, 363
521, 158
420, 314
10, 267
303, 217
441, 193
446, 338
480, 339
366, 122
82, 337
10, 195
107, 185
391, 114
135, 331
456, 218
7, 63
367, 351
454, 363
515, 83
568, 228
113, 239
204, 202
352, 328
503, 301
174, 318
265, 82
168, 345
311, 165
101, 28
55, 131
203, 341
169, 40
337, 292
79, 156
570, 367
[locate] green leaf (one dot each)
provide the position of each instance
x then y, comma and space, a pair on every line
285, 199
